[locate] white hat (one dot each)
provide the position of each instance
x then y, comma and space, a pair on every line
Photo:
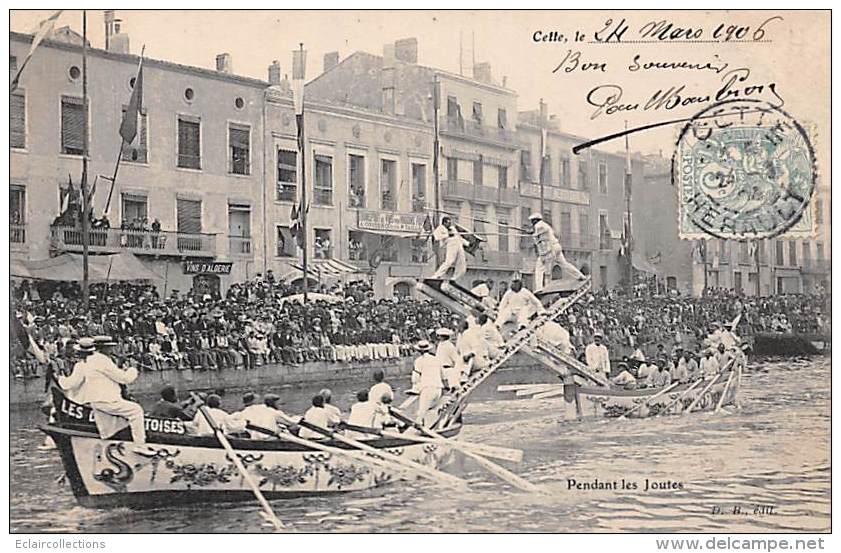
535, 215
482, 290
444, 331
423, 345
85, 345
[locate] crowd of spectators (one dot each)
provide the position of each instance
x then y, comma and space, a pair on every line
257, 323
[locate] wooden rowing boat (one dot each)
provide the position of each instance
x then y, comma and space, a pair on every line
182, 468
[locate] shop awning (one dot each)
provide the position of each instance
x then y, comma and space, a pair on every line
322, 268
383, 232
68, 267
642, 264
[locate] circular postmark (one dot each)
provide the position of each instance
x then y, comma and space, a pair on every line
744, 169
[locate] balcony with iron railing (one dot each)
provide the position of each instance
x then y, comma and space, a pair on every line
465, 190
17, 235
240, 245
555, 193
473, 129
140, 242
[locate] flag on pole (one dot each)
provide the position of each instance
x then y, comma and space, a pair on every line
128, 128
44, 28
295, 226
543, 168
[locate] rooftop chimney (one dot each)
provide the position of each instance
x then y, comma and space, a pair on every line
331, 60
406, 50
274, 73
224, 63
388, 79
116, 40
482, 72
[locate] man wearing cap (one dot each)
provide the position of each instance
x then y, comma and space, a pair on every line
448, 357
265, 415
96, 381
483, 292
448, 236
168, 407
429, 382
549, 252
518, 303
597, 356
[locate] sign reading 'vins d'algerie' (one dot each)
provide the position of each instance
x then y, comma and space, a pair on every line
212, 267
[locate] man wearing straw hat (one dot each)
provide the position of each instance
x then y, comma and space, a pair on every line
96, 381
549, 252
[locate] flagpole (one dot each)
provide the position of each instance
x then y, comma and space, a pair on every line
122, 142
436, 147
302, 149
758, 273
629, 238
85, 200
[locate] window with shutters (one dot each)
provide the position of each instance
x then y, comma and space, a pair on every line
604, 232
72, 126
565, 175
189, 142
792, 253
526, 243
134, 210
388, 183
584, 225
356, 180
17, 214
502, 177
480, 216
239, 149
502, 217
478, 172
287, 175
566, 227
501, 118
477, 113
452, 169
17, 120
583, 177
189, 216
418, 187
285, 242
525, 165
602, 177
323, 187
137, 151
779, 252
452, 107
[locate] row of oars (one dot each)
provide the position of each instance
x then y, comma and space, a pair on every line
378, 457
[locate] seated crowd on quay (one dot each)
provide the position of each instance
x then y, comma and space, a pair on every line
251, 326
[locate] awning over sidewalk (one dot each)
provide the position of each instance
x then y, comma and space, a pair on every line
322, 268
642, 264
69, 267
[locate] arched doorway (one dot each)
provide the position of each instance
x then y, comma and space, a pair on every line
403, 290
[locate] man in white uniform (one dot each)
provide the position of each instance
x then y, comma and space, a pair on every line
265, 415
448, 357
597, 356
430, 383
448, 236
381, 389
549, 252
96, 381
493, 338
472, 343
518, 303
556, 335
483, 292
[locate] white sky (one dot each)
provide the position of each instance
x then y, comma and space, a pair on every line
797, 60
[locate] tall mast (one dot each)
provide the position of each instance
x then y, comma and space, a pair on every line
436, 147
629, 238
85, 199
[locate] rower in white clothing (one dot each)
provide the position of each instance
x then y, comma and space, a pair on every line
430, 384
597, 356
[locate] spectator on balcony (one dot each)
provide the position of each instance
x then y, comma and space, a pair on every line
156, 231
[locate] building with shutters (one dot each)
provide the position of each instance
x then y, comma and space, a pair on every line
369, 181
195, 166
477, 122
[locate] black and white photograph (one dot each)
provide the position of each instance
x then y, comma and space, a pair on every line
411, 272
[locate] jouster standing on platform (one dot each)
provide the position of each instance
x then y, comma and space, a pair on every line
549, 252
96, 381
448, 236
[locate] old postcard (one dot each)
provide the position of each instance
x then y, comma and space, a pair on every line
420, 271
